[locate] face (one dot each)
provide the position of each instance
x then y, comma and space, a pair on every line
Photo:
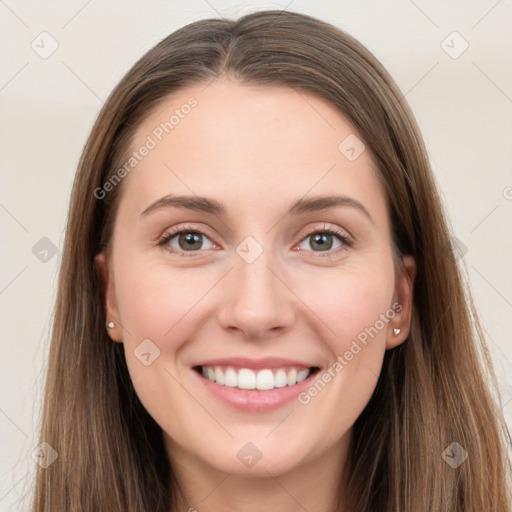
260, 284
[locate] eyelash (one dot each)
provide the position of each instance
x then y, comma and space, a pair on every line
346, 241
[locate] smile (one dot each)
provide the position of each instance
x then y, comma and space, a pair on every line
262, 380
258, 389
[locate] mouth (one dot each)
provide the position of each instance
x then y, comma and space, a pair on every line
262, 379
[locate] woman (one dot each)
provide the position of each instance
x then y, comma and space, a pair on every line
259, 305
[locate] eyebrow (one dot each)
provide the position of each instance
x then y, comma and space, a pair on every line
214, 207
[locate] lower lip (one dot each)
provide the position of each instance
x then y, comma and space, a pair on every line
253, 399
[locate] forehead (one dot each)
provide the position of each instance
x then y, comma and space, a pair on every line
249, 144
231, 119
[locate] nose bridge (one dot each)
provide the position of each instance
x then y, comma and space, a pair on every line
258, 301
255, 279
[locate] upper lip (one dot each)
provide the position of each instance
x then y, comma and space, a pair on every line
245, 362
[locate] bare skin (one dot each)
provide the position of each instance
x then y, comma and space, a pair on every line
256, 150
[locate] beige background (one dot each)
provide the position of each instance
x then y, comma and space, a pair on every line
463, 106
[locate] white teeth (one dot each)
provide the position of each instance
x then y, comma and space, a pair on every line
265, 380
230, 378
280, 379
219, 376
249, 379
302, 375
246, 379
291, 378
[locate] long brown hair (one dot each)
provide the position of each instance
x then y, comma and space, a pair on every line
434, 389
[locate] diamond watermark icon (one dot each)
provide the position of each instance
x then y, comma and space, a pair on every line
146, 352
44, 250
351, 147
249, 249
249, 454
45, 455
454, 45
458, 248
44, 45
454, 455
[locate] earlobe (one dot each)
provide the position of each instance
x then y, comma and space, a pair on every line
107, 293
399, 327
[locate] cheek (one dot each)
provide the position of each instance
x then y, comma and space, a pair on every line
157, 305
156, 302
354, 312
349, 302
166, 307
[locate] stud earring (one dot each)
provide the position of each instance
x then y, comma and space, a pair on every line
110, 325
396, 331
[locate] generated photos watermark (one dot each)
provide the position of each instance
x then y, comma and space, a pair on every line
343, 360
157, 135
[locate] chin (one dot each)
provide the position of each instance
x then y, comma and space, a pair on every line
257, 459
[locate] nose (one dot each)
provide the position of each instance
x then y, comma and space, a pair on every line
257, 303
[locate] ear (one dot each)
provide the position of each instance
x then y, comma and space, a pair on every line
108, 295
404, 296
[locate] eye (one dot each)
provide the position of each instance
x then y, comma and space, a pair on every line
324, 241
185, 240
188, 240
